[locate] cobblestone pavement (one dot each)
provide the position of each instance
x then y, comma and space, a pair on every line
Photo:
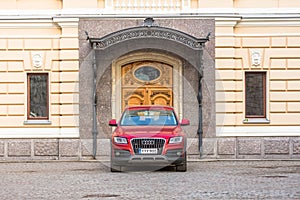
203, 180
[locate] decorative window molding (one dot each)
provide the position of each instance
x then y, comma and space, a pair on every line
37, 97
256, 121
255, 91
37, 122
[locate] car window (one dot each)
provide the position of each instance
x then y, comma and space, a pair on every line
148, 118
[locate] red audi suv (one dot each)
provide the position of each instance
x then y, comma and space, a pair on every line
148, 135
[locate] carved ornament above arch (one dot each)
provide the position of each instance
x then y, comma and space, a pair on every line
148, 32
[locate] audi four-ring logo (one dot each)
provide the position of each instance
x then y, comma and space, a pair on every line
148, 142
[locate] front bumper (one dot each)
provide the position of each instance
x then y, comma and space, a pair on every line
171, 158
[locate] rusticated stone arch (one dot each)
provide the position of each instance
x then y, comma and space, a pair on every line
103, 51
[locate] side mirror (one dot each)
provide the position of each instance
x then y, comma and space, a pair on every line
113, 122
185, 122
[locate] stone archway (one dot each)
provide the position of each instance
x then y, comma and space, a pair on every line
171, 39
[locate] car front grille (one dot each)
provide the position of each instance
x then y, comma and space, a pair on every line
148, 143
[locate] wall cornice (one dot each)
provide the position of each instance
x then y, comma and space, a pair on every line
258, 131
204, 12
229, 17
66, 22
56, 22
28, 23
269, 22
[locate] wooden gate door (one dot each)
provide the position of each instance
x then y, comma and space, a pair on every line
147, 83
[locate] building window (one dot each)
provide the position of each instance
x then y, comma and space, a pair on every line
255, 94
37, 96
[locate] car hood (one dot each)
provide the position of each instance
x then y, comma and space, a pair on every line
147, 131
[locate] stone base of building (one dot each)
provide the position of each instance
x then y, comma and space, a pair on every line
252, 148
213, 148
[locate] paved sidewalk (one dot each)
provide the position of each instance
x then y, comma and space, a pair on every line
203, 180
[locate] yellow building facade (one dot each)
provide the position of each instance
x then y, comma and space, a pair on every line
44, 39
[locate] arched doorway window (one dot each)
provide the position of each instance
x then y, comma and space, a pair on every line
146, 79
147, 83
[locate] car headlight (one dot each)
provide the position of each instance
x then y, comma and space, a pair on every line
175, 140
120, 140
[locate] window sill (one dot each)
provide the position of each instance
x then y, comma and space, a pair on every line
256, 121
37, 122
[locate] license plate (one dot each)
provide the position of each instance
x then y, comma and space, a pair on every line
148, 151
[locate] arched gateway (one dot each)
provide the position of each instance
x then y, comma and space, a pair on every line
145, 63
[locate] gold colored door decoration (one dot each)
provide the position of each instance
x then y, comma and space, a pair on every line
147, 83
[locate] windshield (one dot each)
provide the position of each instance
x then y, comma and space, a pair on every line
148, 118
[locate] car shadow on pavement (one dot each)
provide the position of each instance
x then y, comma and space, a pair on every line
148, 169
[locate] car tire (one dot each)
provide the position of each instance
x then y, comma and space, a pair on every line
115, 168
182, 167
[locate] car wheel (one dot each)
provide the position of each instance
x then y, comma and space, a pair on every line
115, 168
183, 166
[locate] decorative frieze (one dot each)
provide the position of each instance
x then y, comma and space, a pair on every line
148, 5
152, 32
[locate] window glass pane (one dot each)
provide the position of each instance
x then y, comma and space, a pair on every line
148, 118
38, 96
255, 94
147, 73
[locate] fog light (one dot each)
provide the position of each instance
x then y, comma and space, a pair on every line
117, 153
179, 153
